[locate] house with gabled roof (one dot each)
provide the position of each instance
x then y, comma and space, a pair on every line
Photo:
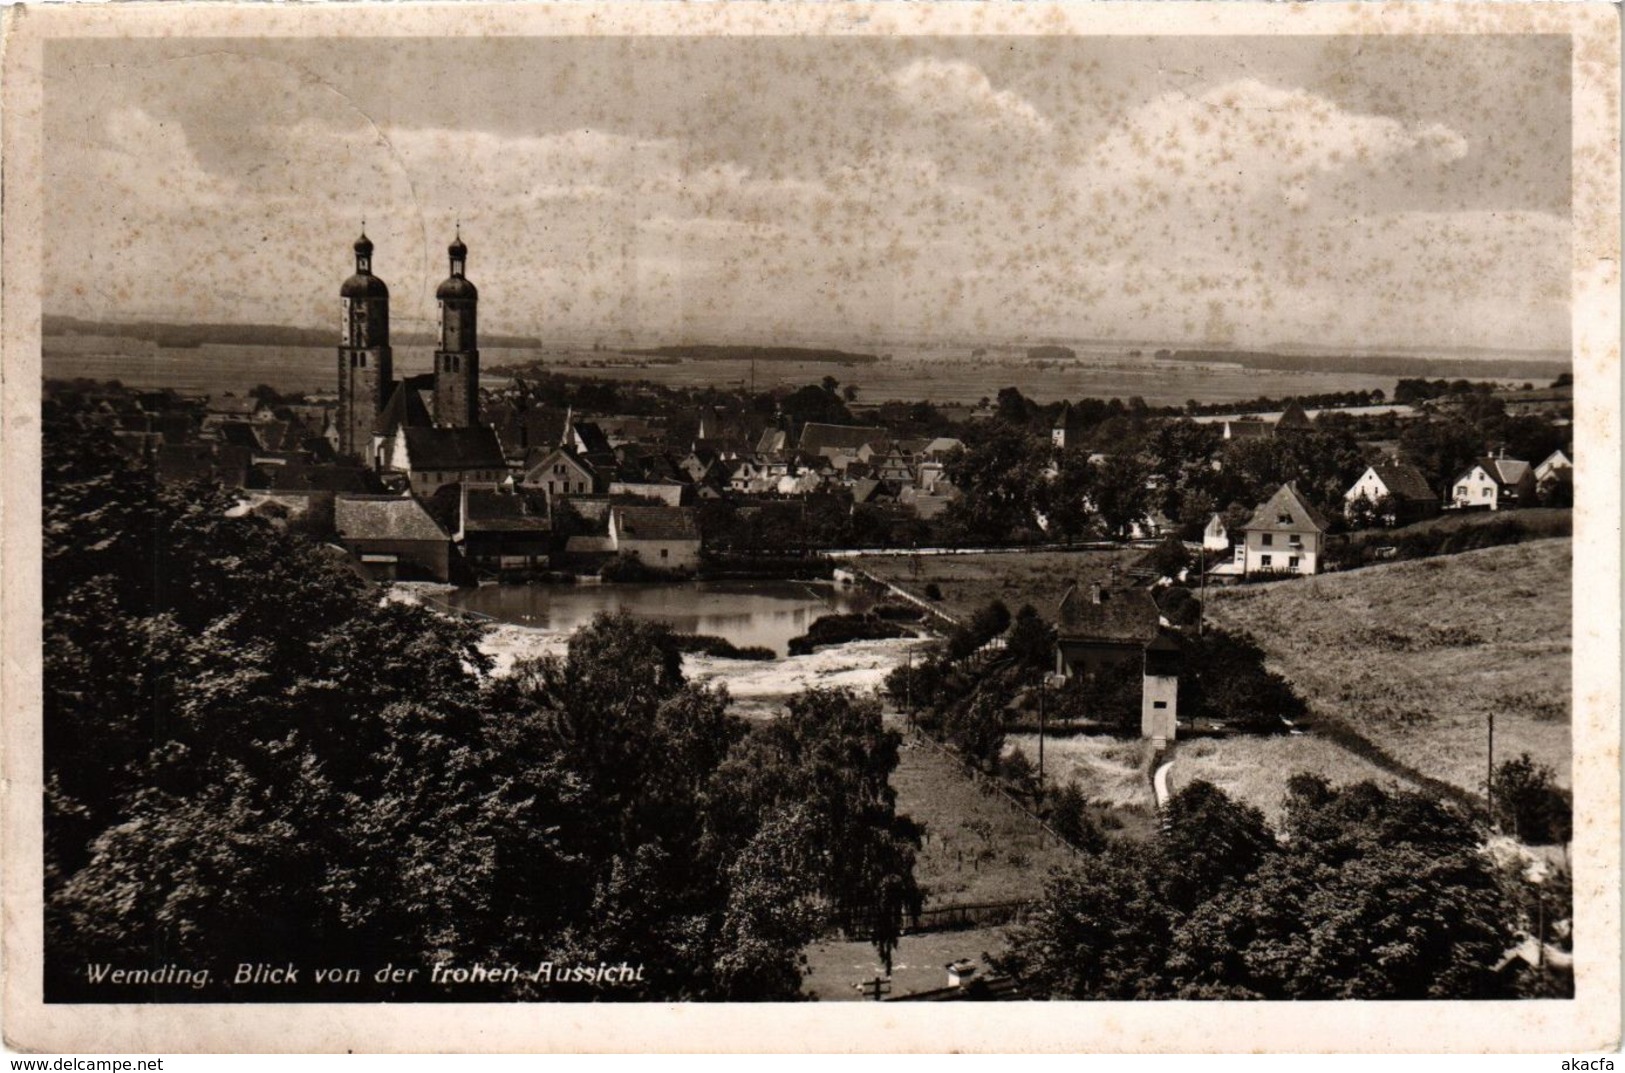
667, 538
1555, 462
818, 438
1101, 625
393, 537
1293, 419
1498, 483
1397, 491
559, 472
1285, 535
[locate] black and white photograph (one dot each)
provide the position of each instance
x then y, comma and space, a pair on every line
809, 513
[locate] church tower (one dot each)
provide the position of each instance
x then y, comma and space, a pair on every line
457, 359
365, 363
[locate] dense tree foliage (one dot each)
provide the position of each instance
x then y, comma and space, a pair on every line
1529, 805
1373, 894
997, 479
252, 756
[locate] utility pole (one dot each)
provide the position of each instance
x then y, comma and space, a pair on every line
1489, 782
908, 688
1201, 603
1041, 738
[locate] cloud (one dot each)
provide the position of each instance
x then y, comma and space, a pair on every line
954, 92
1247, 138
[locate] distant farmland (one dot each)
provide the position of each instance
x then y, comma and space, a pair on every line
1415, 656
943, 376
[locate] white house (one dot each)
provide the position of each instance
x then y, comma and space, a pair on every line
1216, 537
1404, 488
1284, 536
1555, 461
559, 472
1494, 484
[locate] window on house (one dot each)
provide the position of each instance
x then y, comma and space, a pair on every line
664, 553
1284, 519
1269, 539
1264, 560
1159, 704
1292, 562
1485, 493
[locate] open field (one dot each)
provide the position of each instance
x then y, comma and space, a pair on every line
968, 582
1416, 656
1255, 770
1111, 771
941, 375
978, 847
918, 964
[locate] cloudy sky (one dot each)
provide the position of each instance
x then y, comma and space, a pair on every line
1244, 191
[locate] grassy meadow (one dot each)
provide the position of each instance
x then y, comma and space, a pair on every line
1255, 770
1415, 656
978, 846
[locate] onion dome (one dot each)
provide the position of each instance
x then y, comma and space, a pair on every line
363, 284
457, 286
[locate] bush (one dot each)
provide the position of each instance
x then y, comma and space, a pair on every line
839, 629
1111, 696
1069, 817
1169, 557
630, 568
1530, 805
1032, 641
711, 645
1224, 679
1179, 606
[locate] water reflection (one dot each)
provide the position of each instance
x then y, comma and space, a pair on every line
766, 613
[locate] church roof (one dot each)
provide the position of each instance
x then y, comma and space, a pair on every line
404, 409
475, 447
817, 436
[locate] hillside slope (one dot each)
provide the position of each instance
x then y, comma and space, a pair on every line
1414, 656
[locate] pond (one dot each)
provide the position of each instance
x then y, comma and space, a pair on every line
766, 613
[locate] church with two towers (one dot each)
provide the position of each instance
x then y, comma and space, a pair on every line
425, 426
